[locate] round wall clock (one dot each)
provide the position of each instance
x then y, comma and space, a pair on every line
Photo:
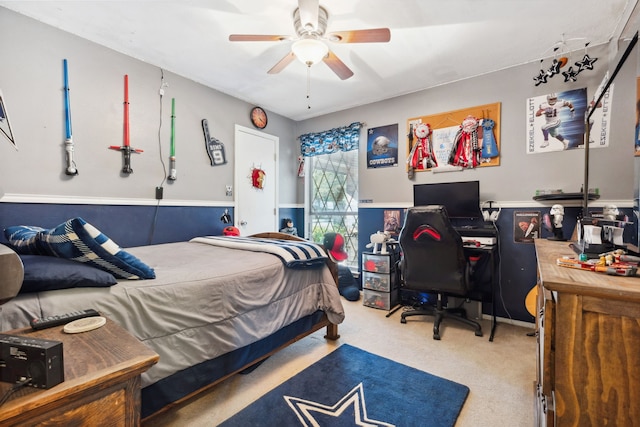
258, 117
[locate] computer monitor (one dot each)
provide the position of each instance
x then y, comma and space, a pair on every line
461, 199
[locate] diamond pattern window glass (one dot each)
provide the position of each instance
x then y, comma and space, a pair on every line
332, 199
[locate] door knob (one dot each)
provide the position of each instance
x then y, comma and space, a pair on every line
243, 222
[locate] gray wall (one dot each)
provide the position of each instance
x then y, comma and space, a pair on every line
514, 182
31, 78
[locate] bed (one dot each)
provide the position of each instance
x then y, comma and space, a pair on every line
210, 312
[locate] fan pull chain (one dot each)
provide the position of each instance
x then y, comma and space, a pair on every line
308, 86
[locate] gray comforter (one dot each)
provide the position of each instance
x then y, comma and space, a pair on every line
204, 302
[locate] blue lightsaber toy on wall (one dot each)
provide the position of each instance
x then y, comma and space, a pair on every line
68, 142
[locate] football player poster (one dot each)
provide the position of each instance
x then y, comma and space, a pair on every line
555, 122
382, 146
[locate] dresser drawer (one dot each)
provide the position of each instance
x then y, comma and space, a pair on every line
381, 300
376, 281
376, 263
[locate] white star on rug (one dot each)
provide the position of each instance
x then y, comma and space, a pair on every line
304, 408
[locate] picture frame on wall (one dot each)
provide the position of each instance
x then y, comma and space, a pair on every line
382, 146
555, 121
526, 226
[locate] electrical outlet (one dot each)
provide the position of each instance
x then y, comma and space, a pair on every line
229, 191
159, 191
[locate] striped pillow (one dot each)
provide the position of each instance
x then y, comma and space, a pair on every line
79, 241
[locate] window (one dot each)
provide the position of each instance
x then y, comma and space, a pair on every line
331, 199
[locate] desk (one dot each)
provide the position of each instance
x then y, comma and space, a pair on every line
101, 381
482, 294
588, 332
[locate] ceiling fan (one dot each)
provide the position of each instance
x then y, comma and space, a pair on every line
310, 47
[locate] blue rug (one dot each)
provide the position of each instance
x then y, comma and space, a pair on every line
353, 387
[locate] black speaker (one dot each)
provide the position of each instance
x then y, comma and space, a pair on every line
22, 358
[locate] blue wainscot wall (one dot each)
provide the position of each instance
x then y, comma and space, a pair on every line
517, 274
128, 226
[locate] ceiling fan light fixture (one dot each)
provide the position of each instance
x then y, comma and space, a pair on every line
310, 51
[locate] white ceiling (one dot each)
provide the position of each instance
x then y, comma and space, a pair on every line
433, 42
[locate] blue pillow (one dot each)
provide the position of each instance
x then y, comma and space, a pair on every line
47, 273
78, 240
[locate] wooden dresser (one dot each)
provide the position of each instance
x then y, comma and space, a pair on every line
101, 381
588, 331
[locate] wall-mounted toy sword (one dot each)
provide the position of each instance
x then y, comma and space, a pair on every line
215, 148
172, 153
5, 126
71, 168
126, 148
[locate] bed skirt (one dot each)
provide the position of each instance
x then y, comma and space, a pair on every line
188, 381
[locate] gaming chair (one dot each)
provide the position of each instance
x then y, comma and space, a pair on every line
433, 261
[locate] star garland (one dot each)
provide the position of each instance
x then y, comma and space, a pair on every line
570, 74
540, 78
586, 63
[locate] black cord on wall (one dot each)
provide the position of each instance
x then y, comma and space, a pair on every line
159, 189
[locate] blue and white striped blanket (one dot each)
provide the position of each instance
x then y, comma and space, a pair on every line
293, 253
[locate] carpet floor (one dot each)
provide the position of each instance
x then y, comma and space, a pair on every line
499, 374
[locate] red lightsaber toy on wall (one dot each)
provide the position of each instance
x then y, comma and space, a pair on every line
126, 148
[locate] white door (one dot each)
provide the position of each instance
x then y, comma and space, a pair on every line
256, 157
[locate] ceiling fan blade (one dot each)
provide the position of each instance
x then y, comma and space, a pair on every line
308, 10
337, 66
288, 58
374, 35
257, 38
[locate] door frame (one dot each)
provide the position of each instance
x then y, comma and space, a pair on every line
241, 174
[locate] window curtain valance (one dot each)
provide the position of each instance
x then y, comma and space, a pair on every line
344, 138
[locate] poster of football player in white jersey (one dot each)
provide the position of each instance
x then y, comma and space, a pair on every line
555, 122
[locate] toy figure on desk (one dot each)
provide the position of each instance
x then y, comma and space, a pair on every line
557, 212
